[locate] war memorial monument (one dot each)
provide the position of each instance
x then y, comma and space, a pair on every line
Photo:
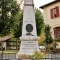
29, 38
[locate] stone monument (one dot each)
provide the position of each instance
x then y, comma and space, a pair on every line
29, 38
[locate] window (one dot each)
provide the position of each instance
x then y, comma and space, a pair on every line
54, 12
59, 34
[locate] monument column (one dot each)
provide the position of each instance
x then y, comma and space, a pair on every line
29, 38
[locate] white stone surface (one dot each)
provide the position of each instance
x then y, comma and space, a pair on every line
29, 43
28, 1
28, 47
29, 38
29, 18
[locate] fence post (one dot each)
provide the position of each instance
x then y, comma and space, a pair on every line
2, 53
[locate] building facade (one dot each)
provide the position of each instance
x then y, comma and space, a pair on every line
51, 12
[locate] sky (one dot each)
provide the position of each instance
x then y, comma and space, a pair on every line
39, 3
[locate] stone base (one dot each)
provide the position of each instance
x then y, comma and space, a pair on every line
28, 47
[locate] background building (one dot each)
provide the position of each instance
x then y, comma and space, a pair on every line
51, 12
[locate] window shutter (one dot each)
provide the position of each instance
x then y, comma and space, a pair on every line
51, 12
57, 11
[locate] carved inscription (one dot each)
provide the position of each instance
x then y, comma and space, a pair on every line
29, 45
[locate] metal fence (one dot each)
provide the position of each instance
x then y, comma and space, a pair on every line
7, 56
33, 59
12, 56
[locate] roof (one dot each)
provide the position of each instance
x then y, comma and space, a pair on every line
53, 2
4, 38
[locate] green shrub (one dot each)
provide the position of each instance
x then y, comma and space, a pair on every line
38, 55
41, 40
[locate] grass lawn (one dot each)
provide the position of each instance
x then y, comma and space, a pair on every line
10, 51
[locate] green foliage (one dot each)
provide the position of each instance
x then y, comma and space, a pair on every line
11, 17
8, 10
41, 40
38, 55
48, 38
39, 21
18, 24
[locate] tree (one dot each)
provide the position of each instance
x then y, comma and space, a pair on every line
39, 21
8, 10
18, 24
11, 18
48, 38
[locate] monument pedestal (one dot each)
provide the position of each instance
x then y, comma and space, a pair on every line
29, 44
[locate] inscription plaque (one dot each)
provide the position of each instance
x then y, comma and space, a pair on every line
29, 46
